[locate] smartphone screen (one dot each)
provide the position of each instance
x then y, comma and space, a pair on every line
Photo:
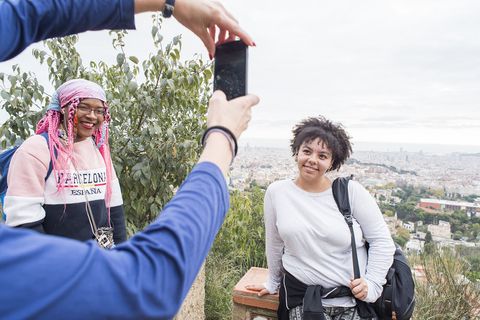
230, 74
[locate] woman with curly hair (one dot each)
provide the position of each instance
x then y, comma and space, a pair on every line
61, 181
308, 242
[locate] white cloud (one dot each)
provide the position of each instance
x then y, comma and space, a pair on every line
390, 70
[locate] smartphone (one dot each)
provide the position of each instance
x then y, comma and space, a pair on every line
230, 73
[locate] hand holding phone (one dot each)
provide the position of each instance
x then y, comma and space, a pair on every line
230, 73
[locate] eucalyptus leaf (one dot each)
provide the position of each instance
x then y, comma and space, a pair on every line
5, 95
133, 59
120, 58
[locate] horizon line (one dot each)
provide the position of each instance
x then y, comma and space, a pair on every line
379, 146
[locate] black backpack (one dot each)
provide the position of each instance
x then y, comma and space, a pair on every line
398, 297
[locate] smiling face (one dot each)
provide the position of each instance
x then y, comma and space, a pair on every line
314, 158
89, 116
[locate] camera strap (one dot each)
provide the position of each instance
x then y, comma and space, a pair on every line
103, 235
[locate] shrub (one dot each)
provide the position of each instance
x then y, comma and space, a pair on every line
158, 111
445, 293
239, 246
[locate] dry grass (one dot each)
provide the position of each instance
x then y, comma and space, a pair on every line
445, 292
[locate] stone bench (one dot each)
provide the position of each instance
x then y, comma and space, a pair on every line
247, 305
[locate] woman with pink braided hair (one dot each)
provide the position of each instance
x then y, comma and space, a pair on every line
81, 198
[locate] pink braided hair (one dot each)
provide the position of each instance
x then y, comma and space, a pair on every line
61, 153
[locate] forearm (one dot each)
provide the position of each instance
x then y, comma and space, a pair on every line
217, 150
180, 240
273, 247
149, 5
380, 258
24, 22
375, 231
380, 252
274, 262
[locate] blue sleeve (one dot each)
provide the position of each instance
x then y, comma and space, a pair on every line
146, 277
24, 22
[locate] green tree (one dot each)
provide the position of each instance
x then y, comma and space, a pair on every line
428, 237
457, 235
387, 209
157, 106
389, 213
471, 197
390, 185
438, 193
402, 237
475, 231
406, 210
429, 246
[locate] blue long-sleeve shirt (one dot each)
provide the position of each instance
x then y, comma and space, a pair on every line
46, 277
24, 22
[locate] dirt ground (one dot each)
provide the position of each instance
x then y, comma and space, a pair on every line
193, 306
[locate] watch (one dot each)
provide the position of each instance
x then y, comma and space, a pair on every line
169, 7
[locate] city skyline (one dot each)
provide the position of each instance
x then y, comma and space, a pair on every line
390, 71
440, 149
453, 172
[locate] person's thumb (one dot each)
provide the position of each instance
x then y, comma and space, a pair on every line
248, 100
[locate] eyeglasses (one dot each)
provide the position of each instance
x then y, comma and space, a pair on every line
99, 112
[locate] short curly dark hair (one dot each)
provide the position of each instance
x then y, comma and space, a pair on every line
332, 134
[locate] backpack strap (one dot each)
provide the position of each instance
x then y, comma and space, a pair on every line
50, 164
340, 194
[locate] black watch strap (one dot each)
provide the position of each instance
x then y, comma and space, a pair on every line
169, 7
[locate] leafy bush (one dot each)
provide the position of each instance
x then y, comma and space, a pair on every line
157, 106
239, 246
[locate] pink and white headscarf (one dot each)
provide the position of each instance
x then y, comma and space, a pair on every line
67, 97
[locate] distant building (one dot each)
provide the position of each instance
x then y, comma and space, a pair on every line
414, 245
394, 199
385, 196
392, 224
447, 205
419, 235
410, 226
441, 231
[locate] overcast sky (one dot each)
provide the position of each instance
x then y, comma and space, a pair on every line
390, 71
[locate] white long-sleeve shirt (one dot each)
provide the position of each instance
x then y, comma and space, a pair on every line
307, 235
